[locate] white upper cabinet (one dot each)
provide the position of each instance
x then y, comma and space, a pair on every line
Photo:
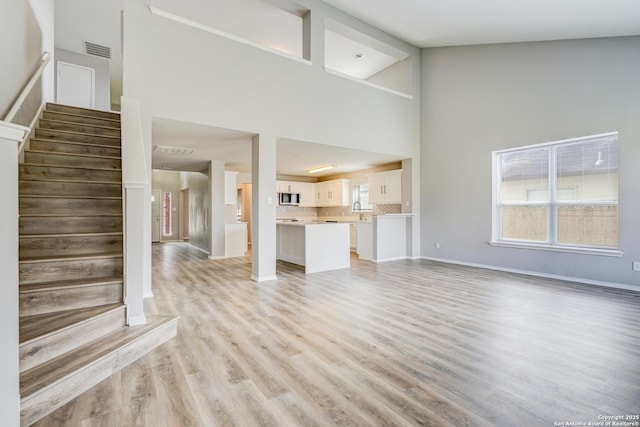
333, 193
288, 186
385, 187
307, 194
230, 188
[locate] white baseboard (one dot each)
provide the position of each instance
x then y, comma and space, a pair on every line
389, 259
148, 295
198, 249
538, 274
138, 320
216, 257
263, 278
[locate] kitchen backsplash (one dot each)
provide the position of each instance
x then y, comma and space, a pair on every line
387, 209
295, 212
336, 211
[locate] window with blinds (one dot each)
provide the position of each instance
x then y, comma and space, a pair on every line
560, 194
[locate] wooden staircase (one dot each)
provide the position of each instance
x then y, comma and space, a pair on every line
72, 316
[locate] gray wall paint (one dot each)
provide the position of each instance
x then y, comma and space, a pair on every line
476, 99
101, 65
199, 209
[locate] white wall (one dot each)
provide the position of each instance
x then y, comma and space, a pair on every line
476, 99
187, 74
19, 52
101, 65
44, 14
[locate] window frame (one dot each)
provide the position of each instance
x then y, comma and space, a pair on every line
552, 204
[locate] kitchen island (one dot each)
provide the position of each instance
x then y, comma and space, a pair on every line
317, 247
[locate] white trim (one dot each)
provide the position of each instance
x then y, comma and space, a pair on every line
263, 278
32, 127
198, 249
186, 21
538, 274
558, 248
135, 321
367, 83
389, 259
560, 142
216, 257
13, 132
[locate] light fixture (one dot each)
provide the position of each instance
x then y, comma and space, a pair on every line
178, 151
321, 168
599, 161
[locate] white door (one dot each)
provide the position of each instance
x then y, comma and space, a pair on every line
76, 85
155, 215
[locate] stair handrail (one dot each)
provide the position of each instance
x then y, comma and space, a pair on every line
44, 60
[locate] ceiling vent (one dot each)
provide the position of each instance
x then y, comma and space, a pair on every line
178, 151
97, 50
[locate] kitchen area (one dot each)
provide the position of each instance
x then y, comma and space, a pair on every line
320, 224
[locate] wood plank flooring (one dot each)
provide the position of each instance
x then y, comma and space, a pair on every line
400, 343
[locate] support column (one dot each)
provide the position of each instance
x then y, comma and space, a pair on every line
137, 212
216, 184
10, 136
263, 200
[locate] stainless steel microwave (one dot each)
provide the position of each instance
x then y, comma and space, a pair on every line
291, 199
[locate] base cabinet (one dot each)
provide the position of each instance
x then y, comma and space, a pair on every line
235, 239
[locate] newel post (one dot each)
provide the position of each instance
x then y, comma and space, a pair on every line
135, 182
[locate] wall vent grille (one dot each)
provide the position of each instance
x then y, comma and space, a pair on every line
97, 50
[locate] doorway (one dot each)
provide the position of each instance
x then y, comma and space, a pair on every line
76, 85
184, 222
156, 222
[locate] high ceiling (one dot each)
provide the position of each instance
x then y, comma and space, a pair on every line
430, 23
423, 23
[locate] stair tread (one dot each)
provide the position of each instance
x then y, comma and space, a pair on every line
79, 124
71, 167
71, 257
82, 116
42, 325
59, 141
80, 133
54, 196
69, 215
56, 370
53, 153
79, 181
66, 284
64, 107
64, 235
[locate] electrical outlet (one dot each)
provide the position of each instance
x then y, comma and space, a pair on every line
437, 245
635, 266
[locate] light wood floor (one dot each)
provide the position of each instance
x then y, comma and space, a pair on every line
398, 343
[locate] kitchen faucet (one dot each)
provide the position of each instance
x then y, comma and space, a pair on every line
358, 208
